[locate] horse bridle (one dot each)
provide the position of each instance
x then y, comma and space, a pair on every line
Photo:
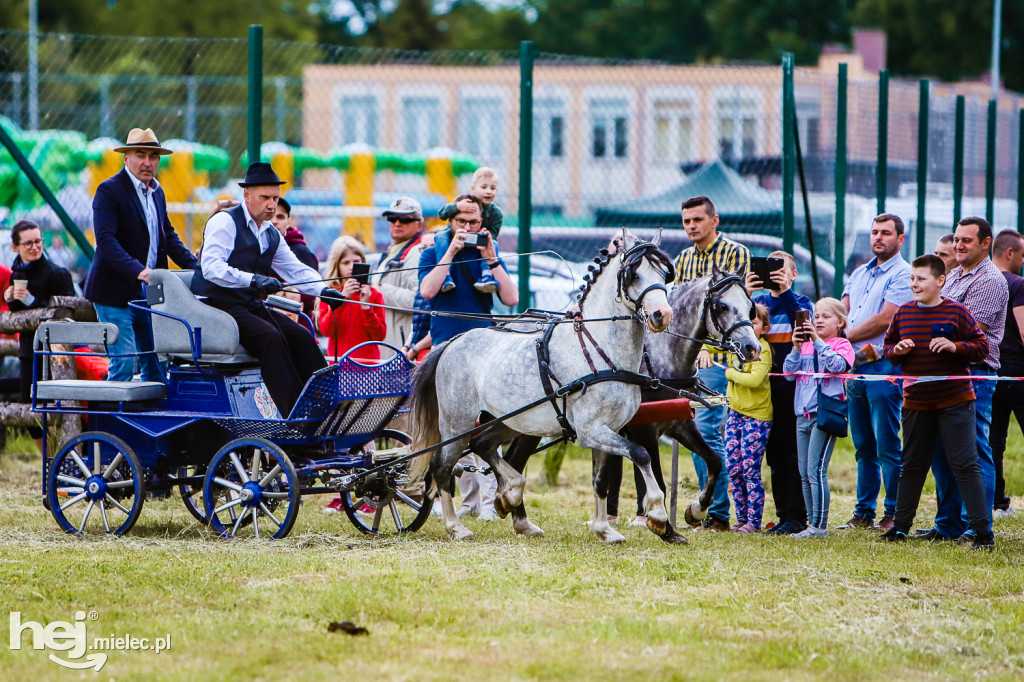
713, 304
631, 259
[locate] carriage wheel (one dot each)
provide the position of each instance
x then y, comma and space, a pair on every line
385, 505
95, 485
192, 495
251, 485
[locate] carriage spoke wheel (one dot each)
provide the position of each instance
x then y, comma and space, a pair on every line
95, 485
251, 490
191, 494
387, 505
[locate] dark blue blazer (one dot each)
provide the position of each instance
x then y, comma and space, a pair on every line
122, 242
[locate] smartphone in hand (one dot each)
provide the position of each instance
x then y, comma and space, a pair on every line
361, 272
801, 318
763, 267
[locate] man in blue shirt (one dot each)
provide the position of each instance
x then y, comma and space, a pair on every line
465, 264
873, 293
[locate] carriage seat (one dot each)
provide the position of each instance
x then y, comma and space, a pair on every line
87, 334
169, 292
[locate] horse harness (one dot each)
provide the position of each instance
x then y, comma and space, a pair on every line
713, 304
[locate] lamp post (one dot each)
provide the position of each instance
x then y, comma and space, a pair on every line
33, 64
997, 29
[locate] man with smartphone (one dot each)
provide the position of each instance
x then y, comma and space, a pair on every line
788, 311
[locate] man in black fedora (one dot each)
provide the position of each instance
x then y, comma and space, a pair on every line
133, 236
241, 253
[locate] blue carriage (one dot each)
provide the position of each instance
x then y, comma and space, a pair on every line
213, 433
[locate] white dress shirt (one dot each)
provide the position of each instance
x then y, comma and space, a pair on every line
219, 242
149, 208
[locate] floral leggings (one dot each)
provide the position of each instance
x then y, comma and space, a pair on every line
745, 441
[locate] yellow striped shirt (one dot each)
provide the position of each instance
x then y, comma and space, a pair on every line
728, 255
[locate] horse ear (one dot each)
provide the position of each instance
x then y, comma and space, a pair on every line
657, 237
742, 272
715, 272
625, 245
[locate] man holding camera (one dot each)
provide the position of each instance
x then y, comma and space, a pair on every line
470, 250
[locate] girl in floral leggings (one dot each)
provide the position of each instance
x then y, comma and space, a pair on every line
747, 427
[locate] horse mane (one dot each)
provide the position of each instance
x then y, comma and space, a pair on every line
593, 272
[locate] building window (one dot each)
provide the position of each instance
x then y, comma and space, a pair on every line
737, 128
481, 128
421, 123
609, 128
673, 131
359, 120
548, 128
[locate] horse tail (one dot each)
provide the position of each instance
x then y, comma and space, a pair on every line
425, 430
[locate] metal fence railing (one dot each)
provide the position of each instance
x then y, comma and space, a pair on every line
614, 143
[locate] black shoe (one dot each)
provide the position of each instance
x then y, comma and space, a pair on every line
986, 541
786, 528
966, 539
893, 535
930, 535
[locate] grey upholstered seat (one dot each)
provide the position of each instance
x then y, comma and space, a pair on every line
169, 292
114, 391
87, 334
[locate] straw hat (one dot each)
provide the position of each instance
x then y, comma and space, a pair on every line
142, 139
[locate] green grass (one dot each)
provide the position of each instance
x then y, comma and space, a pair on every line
498, 607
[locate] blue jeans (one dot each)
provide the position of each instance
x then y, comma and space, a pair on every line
135, 334
874, 411
710, 423
951, 519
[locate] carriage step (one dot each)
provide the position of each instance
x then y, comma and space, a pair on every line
106, 391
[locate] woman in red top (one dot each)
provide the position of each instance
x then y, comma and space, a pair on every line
352, 323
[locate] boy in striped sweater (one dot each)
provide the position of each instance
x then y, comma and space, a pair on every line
935, 336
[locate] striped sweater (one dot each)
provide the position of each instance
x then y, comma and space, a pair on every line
948, 319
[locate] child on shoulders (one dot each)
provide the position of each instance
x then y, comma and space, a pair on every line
484, 187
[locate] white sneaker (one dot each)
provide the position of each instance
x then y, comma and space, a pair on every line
1002, 513
811, 532
464, 511
435, 510
488, 515
639, 522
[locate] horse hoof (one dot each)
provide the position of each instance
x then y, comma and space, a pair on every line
530, 531
694, 514
461, 533
612, 537
672, 537
658, 527
499, 507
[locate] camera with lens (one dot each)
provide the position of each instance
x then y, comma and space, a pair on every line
477, 240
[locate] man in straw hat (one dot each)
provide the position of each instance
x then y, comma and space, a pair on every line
241, 253
133, 236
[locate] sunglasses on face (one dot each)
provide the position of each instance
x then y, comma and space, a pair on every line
405, 220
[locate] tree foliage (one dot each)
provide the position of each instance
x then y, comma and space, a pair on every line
937, 38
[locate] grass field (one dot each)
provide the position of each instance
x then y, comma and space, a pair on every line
498, 607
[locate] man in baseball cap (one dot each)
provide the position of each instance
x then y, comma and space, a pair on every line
396, 274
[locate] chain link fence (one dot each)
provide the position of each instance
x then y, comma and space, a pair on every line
615, 143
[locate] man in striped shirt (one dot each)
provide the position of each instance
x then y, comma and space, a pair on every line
700, 220
935, 336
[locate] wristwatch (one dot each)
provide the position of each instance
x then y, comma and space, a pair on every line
496, 264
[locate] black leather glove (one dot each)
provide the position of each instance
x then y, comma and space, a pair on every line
265, 285
332, 297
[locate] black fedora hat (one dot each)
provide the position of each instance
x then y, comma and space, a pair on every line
260, 174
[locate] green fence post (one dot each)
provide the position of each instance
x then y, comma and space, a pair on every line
922, 165
990, 163
958, 161
840, 244
788, 152
44, 191
882, 170
1020, 173
525, 169
255, 92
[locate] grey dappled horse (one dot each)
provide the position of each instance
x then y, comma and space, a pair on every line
714, 307
490, 372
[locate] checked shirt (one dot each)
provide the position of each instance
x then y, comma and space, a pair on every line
984, 292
